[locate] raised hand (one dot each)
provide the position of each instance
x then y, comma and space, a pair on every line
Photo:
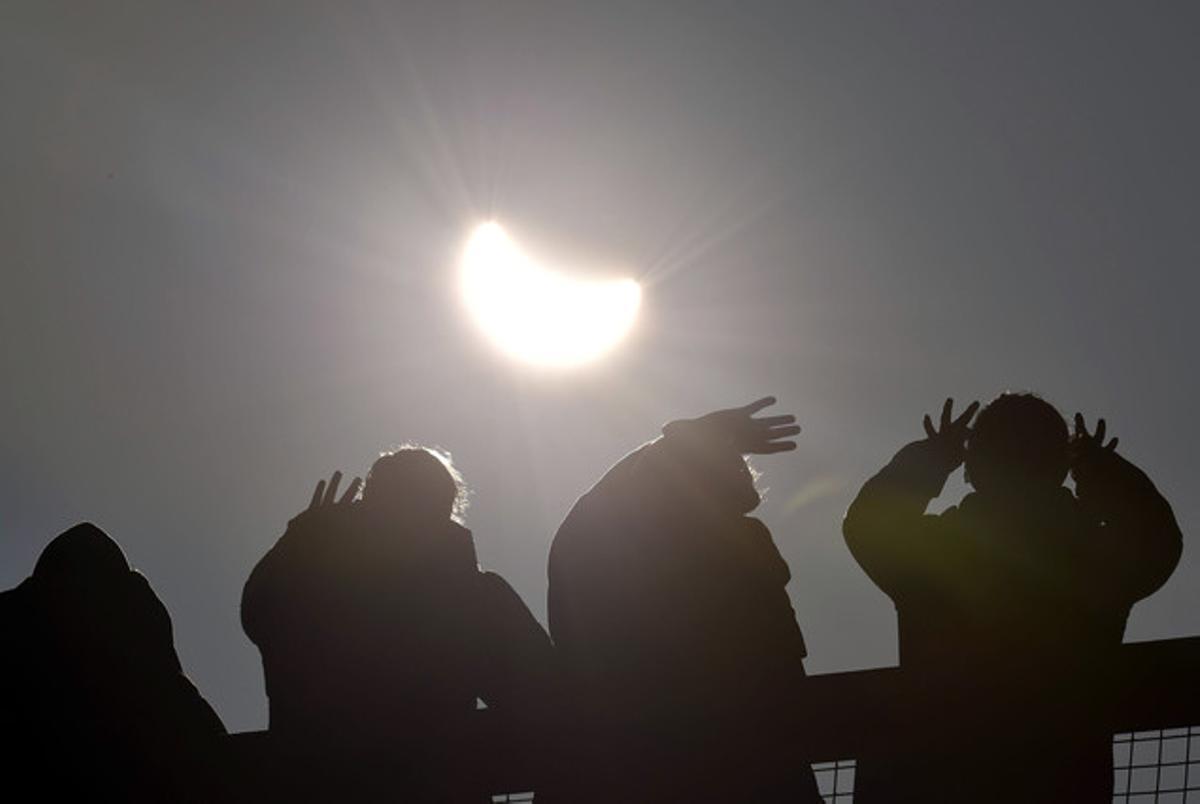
950, 437
1085, 445
325, 494
737, 428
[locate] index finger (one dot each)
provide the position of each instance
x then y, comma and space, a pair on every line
331, 489
318, 493
757, 405
351, 490
947, 409
965, 418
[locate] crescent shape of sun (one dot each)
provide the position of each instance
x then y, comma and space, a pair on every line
540, 316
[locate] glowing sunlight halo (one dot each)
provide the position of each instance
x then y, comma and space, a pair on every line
537, 315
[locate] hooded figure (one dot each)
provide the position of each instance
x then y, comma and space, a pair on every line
668, 610
1010, 605
379, 632
98, 707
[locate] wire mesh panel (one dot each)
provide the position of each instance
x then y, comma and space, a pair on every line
835, 780
1159, 766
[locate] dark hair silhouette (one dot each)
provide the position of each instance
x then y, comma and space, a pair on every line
1018, 444
415, 479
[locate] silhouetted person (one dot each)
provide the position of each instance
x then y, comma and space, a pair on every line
378, 631
1010, 605
95, 704
668, 609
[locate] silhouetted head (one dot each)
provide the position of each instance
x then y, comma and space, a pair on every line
83, 551
740, 486
82, 565
415, 482
716, 479
1018, 445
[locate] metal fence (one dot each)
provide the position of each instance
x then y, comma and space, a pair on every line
1161, 766
835, 780
1156, 756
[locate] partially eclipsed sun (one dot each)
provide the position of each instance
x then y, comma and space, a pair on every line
537, 315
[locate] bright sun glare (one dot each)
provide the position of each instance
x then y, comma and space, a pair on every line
537, 315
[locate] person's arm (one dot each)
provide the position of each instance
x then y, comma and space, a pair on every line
774, 574
521, 677
269, 593
1140, 540
882, 527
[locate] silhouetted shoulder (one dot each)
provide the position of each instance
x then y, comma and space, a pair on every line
460, 544
508, 622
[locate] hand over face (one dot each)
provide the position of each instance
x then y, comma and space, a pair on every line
950, 437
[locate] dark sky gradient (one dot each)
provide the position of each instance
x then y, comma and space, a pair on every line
229, 243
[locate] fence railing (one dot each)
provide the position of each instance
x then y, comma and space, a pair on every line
1154, 714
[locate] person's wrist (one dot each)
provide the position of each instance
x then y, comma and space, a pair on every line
949, 455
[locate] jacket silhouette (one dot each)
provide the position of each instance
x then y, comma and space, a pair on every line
668, 609
379, 632
96, 706
1010, 605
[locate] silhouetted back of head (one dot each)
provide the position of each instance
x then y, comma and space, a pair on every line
1018, 445
82, 553
415, 482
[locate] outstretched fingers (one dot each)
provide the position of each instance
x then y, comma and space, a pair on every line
1096, 438
318, 494
757, 405
1081, 431
948, 425
1101, 431
964, 421
773, 433
331, 489
774, 439
351, 491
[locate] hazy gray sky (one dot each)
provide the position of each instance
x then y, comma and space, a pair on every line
229, 235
